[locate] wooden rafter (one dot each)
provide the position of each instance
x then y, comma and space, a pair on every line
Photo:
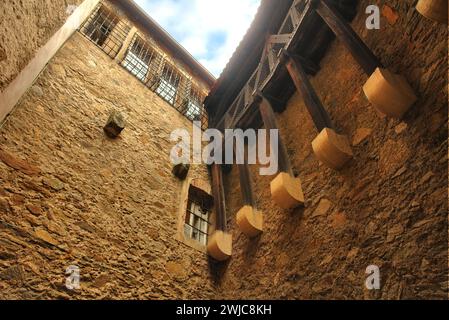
344, 32
269, 119
319, 115
219, 198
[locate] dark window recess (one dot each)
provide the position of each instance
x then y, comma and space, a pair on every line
106, 30
197, 220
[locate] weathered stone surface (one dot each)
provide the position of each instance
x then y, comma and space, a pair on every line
54, 183
37, 90
3, 55
4, 206
338, 220
34, 209
400, 127
393, 155
25, 28
390, 14
18, 164
361, 135
109, 205
368, 204
45, 236
298, 257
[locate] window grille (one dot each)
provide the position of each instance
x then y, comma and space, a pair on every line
141, 59
195, 110
106, 30
169, 84
144, 62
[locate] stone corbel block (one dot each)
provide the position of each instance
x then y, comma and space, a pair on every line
286, 191
219, 245
115, 125
436, 10
250, 221
389, 93
332, 149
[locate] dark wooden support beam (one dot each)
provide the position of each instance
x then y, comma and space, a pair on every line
308, 65
246, 182
269, 119
319, 115
219, 198
343, 30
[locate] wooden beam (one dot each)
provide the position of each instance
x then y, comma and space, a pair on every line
219, 197
269, 119
343, 30
319, 115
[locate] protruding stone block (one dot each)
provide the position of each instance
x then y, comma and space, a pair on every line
181, 170
332, 149
250, 221
389, 93
433, 9
115, 125
286, 191
219, 245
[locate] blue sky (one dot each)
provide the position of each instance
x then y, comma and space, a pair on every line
209, 29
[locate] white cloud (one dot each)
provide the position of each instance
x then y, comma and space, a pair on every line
197, 24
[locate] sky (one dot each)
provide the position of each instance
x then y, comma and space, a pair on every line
209, 29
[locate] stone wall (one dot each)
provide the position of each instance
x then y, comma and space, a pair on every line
25, 26
71, 196
388, 207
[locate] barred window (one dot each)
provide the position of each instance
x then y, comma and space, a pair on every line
169, 83
194, 106
139, 58
197, 223
106, 30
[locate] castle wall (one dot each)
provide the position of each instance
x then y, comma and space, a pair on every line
71, 196
25, 26
387, 208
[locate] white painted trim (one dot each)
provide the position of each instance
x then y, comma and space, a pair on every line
17, 88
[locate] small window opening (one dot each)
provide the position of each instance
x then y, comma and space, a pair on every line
106, 30
197, 219
169, 83
138, 59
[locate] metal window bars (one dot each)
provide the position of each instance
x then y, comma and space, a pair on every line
106, 30
144, 62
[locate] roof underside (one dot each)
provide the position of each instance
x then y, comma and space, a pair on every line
164, 38
245, 59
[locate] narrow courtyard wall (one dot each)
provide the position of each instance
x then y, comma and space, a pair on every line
71, 196
387, 208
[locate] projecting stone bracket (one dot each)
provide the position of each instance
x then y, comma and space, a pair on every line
433, 9
115, 125
250, 221
389, 93
219, 245
181, 170
332, 149
286, 191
